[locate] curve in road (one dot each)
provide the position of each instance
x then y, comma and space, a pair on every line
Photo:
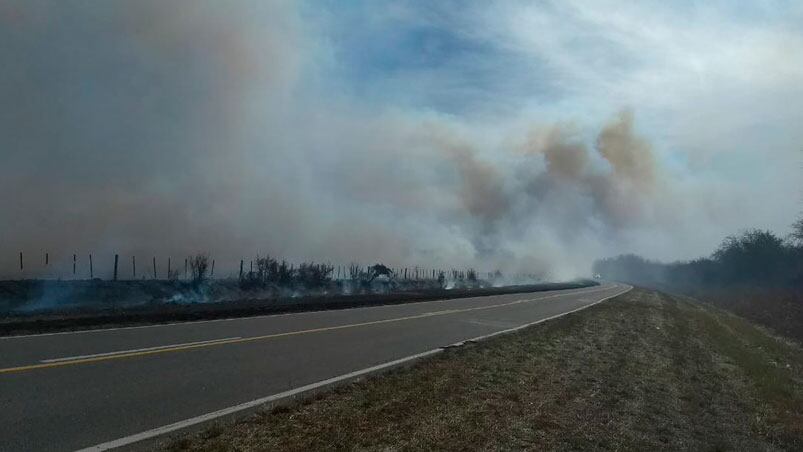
109, 388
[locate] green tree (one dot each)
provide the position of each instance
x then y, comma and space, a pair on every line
754, 255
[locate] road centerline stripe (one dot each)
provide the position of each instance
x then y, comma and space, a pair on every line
279, 397
93, 359
122, 352
283, 314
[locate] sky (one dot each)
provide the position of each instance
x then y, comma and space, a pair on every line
530, 136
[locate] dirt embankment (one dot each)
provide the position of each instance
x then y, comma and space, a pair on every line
644, 371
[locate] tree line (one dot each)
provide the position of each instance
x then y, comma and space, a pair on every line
755, 257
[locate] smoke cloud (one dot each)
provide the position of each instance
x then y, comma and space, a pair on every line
166, 128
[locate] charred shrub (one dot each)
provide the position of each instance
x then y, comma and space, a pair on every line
378, 270
199, 267
312, 275
471, 275
272, 273
269, 272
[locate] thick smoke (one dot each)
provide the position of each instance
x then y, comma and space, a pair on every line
619, 189
167, 128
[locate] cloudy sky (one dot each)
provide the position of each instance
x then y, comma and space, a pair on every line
532, 136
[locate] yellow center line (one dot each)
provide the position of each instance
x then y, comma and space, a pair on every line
271, 336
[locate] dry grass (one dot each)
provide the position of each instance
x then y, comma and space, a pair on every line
780, 308
644, 371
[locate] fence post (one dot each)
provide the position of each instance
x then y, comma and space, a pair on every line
134, 266
91, 271
47, 259
22, 268
212, 272
154, 267
241, 269
74, 259
168, 267
115, 266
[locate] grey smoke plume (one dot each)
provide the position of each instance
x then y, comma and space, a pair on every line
158, 128
618, 191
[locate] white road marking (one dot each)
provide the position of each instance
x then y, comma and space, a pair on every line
178, 347
123, 352
230, 319
526, 325
149, 434
253, 403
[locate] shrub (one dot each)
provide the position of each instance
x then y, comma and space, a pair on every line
312, 275
199, 266
471, 275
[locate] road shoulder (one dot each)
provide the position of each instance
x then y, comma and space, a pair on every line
641, 371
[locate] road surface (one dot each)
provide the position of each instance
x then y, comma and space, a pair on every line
73, 390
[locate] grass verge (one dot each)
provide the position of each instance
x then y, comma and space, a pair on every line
643, 371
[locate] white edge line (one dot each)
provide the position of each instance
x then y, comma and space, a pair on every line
122, 352
229, 319
148, 434
254, 403
521, 327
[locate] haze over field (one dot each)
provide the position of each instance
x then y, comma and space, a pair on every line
527, 136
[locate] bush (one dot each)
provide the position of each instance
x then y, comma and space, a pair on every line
271, 272
751, 256
378, 270
471, 275
442, 279
199, 266
312, 275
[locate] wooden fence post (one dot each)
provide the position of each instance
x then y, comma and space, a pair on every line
91, 270
241, 269
74, 259
115, 266
21, 266
154, 267
134, 266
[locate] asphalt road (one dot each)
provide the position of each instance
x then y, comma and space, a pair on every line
68, 391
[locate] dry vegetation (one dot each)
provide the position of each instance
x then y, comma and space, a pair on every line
644, 371
780, 308
114, 302
756, 274
262, 278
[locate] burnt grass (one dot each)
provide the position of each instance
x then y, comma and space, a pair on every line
102, 304
643, 371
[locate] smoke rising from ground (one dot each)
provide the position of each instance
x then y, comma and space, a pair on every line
167, 128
